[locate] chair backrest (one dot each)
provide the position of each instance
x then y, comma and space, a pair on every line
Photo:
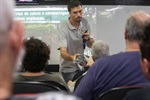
52, 68
78, 81
59, 85
117, 93
78, 75
29, 87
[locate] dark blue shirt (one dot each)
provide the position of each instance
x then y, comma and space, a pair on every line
122, 69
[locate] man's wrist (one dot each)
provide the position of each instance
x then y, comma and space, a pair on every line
72, 58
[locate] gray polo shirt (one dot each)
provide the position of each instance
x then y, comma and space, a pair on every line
71, 38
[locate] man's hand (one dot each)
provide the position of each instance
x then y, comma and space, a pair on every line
65, 55
89, 61
74, 56
86, 36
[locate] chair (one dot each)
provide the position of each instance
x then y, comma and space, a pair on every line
117, 93
59, 85
78, 81
30, 87
78, 75
52, 68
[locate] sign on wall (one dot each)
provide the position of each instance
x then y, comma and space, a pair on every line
41, 15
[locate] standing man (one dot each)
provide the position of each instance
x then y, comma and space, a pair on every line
74, 34
144, 93
11, 35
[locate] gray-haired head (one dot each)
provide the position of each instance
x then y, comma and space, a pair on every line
99, 49
6, 15
135, 25
6, 20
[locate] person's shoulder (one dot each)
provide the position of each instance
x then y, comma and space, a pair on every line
107, 61
18, 77
84, 20
52, 76
64, 26
48, 75
119, 56
64, 23
111, 57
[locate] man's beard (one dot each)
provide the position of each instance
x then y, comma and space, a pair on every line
78, 20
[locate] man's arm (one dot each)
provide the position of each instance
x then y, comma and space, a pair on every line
65, 55
89, 36
89, 40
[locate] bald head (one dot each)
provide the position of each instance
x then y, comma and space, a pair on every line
141, 16
135, 25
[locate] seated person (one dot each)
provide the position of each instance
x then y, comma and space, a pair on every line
34, 62
143, 94
99, 49
11, 33
121, 69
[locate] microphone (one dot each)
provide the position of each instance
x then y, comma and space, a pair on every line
84, 40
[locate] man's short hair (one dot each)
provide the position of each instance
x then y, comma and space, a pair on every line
73, 3
135, 26
145, 43
99, 49
37, 55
